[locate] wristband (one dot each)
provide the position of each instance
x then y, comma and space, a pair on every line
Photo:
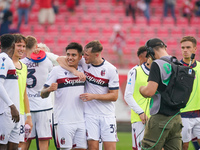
28, 114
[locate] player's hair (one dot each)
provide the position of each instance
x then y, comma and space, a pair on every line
95, 45
74, 45
42, 45
7, 40
19, 38
189, 38
31, 41
141, 50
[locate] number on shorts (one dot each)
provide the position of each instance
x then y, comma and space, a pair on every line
112, 127
21, 129
30, 75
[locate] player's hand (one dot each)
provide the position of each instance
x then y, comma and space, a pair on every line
86, 97
36, 50
149, 62
81, 75
53, 87
14, 113
29, 121
144, 118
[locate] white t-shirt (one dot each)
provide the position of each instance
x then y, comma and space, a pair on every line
10, 84
100, 79
128, 96
68, 107
37, 76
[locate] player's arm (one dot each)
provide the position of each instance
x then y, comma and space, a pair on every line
149, 90
112, 95
154, 79
48, 89
4, 96
62, 62
27, 110
129, 91
53, 57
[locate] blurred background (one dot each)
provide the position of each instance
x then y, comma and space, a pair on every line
127, 24
86, 20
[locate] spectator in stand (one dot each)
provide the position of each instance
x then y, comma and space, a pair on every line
170, 4
6, 17
6, 4
23, 7
118, 41
197, 8
130, 7
144, 6
187, 10
46, 12
71, 6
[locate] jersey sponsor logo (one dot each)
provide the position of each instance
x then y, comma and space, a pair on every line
95, 80
3, 65
2, 137
34, 95
129, 82
62, 140
103, 72
31, 64
64, 82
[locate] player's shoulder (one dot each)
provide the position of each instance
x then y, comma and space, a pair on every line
24, 60
4, 57
109, 65
23, 65
80, 68
57, 68
47, 60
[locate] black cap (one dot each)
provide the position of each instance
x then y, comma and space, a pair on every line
154, 42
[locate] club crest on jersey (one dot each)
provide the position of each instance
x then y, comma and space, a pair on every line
103, 72
62, 141
88, 66
65, 73
2, 137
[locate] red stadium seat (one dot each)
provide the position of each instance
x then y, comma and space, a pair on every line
182, 22
26, 29
62, 41
155, 22
80, 30
135, 32
190, 31
94, 31
107, 31
39, 30
168, 22
52, 30
66, 30
130, 44
162, 32
149, 32
60, 20
176, 32
195, 22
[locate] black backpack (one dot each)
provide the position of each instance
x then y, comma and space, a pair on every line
179, 88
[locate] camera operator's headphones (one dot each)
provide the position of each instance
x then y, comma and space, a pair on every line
150, 51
